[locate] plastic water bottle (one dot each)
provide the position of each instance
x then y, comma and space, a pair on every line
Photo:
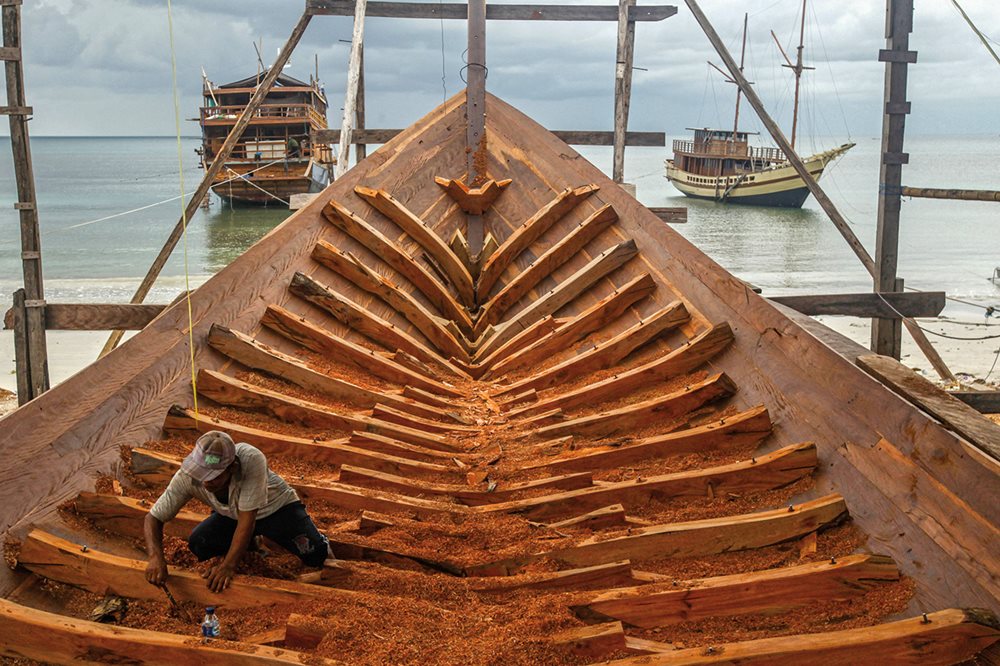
210, 625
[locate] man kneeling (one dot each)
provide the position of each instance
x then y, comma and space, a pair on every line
247, 499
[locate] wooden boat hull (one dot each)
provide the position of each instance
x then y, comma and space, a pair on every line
596, 329
275, 184
778, 186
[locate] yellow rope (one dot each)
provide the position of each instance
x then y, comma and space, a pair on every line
180, 166
976, 30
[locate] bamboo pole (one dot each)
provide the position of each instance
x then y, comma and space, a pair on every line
212, 171
353, 84
831, 210
939, 193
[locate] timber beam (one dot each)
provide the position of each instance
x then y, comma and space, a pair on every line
573, 137
885, 305
94, 316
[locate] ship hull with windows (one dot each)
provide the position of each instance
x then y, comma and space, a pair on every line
720, 165
273, 158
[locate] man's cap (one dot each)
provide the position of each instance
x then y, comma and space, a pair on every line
213, 453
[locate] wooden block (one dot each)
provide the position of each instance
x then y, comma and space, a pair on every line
372, 522
613, 574
333, 574
304, 632
594, 641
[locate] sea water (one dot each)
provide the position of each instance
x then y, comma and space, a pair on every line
944, 245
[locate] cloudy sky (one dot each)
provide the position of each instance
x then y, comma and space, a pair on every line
102, 67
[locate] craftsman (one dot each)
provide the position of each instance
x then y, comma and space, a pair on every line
247, 500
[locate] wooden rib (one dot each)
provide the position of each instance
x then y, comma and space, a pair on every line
368, 478
528, 233
635, 645
525, 338
646, 413
229, 391
389, 415
58, 559
123, 515
613, 574
361, 320
303, 632
181, 421
259, 356
696, 538
298, 330
563, 293
773, 470
686, 358
386, 444
56, 639
608, 516
358, 229
747, 428
573, 330
543, 266
417, 229
769, 592
946, 637
473, 200
157, 469
605, 354
351, 269
593, 642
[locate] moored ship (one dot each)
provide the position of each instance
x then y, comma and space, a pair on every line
274, 158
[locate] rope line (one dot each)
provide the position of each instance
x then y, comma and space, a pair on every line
253, 184
976, 30
927, 330
184, 220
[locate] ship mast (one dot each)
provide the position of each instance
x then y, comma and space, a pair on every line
798, 68
739, 91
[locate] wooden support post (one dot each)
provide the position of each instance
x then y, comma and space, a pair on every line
21, 353
887, 333
824, 201
353, 86
475, 111
360, 149
213, 170
35, 356
623, 85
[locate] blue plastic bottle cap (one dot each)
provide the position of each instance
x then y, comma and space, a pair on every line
210, 609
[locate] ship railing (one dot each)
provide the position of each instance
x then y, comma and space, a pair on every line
264, 111
725, 149
270, 150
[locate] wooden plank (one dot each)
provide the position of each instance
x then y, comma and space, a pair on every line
767, 472
609, 516
228, 391
364, 278
602, 576
417, 229
697, 351
565, 292
946, 637
592, 642
445, 454
254, 354
58, 559
526, 234
696, 538
184, 422
984, 402
646, 413
575, 329
605, 354
364, 322
953, 413
157, 469
358, 229
427, 10
298, 330
94, 316
572, 137
543, 266
56, 639
768, 592
390, 415
919, 304
368, 478
670, 214
747, 428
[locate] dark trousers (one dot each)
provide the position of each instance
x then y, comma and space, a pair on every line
290, 527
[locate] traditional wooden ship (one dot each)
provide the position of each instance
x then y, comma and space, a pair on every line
274, 158
590, 443
721, 165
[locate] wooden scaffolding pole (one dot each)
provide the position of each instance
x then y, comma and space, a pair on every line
475, 111
30, 346
353, 85
212, 171
360, 149
623, 85
887, 334
810, 182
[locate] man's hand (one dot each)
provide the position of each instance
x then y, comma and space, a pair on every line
219, 577
156, 571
